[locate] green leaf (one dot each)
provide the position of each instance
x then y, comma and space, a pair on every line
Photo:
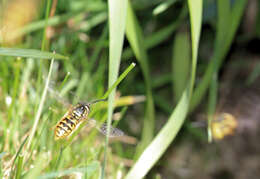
30, 53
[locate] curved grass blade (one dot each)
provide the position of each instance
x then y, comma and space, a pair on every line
161, 142
167, 134
30, 53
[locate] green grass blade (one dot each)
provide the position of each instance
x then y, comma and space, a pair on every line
30, 53
180, 63
195, 9
213, 94
136, 40
172, 127
19, 167
117, 22
18, 152
223, 21
116, 83
38, 114
44, 40
158, 146
221, 48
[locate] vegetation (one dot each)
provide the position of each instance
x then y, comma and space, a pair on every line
149, 59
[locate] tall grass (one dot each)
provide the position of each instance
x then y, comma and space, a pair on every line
136, 40
227, 16
175, 121
90, 39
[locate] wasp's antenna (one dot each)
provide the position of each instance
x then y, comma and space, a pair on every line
96, 101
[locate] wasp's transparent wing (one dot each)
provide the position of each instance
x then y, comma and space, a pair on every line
58, 97
114, 132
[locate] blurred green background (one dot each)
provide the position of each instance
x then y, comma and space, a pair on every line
211, 46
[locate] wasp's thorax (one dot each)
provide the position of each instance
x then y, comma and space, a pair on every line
81, 110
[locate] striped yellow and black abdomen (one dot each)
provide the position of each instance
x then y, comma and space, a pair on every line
65, 127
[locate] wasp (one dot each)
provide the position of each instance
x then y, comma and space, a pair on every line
71, 120
75, 116
223, 125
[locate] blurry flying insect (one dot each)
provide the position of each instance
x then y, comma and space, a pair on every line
75, 116
224, 124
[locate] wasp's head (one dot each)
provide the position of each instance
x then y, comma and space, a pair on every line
81, 109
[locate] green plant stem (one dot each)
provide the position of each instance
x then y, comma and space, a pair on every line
121, 77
